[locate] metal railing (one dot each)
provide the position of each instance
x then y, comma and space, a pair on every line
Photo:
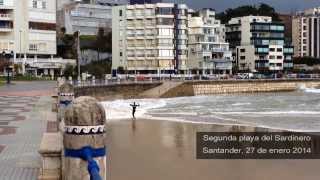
147, 79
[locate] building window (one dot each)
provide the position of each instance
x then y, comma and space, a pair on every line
120, 54
272, 57
34, 4
44, 5
279, 57
120, 13
1, 2
242, 57
279, 49
42, 26
242, 50
164, 11
33, 47
272, 49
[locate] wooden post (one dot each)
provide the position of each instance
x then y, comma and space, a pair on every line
65, 98
84, 134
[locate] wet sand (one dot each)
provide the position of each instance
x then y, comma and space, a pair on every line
164, 150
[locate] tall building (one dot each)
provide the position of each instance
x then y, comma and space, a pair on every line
143, 38
132, 2
306, 33
28, 34
259, 44
167, 38
208, 51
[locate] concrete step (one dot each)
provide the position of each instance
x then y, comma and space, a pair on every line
158, 91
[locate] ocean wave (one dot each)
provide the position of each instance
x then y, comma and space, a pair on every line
309, 90
240, 104
268, 112
121, 109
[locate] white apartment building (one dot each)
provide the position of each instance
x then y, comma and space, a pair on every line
208, 51
28, 34
167, 38
143, 38
259, 44
306, 33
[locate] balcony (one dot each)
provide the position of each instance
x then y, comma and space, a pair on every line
5, 29
5, 17
262, 65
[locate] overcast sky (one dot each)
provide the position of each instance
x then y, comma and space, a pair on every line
283, 6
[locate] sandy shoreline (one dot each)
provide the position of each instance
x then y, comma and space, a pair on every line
164, 150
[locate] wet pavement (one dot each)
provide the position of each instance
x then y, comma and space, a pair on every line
164, 150
25, 109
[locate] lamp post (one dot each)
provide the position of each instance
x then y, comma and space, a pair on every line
7, 66
77, 36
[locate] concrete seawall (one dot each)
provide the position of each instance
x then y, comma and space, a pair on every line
115, 91
248, 86
191, 88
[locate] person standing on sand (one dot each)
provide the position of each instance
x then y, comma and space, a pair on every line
134, 107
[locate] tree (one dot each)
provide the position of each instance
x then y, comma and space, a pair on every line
310, 61
103, 42
98, 68
69, 71
261, 10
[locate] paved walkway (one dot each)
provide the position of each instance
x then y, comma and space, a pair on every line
25, 109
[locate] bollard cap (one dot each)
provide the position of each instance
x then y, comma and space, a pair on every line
85, 111
66, 87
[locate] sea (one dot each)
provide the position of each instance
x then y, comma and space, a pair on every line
293, 111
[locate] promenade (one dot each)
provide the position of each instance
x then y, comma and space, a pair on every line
25, 109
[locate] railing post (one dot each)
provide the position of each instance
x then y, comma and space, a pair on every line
84, 141
93, 80
70, 80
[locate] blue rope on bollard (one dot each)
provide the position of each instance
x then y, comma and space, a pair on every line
66, 102
88, 153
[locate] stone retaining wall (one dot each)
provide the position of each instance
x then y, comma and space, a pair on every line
194, 88
115, 91
250, 86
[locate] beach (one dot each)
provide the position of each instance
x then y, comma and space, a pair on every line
166, 150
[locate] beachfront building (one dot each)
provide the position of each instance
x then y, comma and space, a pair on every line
132, 2
143, 38
28, 35
306, 33
259, 44
168, 38
86, 18
208, 51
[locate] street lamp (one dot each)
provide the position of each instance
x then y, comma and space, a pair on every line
7, 66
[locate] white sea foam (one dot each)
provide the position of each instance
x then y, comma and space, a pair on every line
270, 112
121, 109
240, 104
309, 90
228, 110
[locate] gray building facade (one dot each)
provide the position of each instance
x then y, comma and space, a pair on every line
87, 18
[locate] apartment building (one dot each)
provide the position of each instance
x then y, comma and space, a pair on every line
132, 2
208, 51
306, 33
28, 34
87, 17
168, 38
143, 38
259, 44
62, 3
